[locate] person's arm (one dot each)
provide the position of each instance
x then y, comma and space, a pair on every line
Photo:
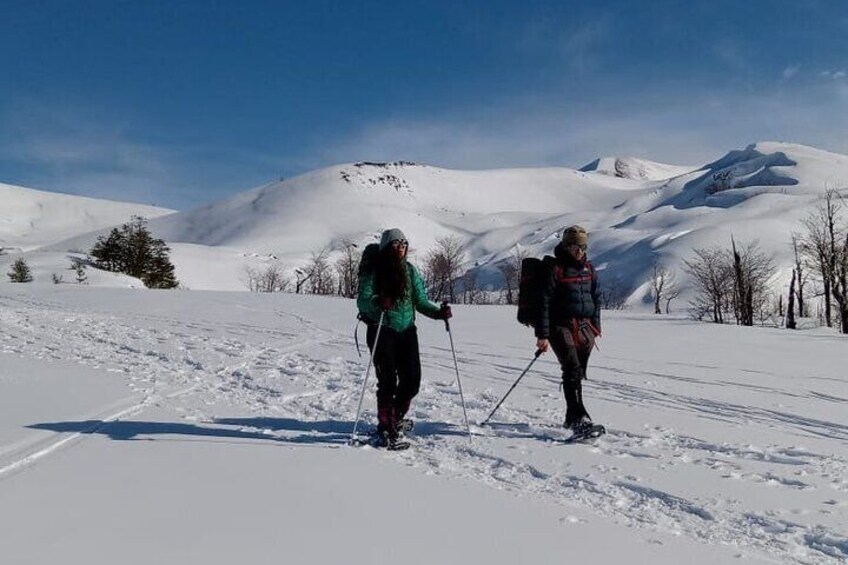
419, 296
596, 298
367, 300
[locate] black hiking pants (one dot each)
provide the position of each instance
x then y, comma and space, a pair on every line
398, 366
572, 345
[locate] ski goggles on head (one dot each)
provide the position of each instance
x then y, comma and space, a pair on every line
398, 243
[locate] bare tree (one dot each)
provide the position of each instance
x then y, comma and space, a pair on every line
800, 273
510, 270
713, 282
825, 245
347, 267
320, 274
442, 265
472, 292
663, 285
269, 279
840, 287
790, 310
614, 293
672, 291
752, 270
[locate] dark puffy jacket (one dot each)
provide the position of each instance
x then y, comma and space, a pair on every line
570, 293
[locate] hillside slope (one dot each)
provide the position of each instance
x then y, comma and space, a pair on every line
34, 218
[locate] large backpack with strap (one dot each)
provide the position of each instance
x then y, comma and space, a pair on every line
367, 264
369, 259
533, 274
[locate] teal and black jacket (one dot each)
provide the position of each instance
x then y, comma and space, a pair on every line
402, 316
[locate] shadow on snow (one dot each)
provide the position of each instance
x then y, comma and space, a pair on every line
279, 430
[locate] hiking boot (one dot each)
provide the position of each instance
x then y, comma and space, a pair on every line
386, 438
391, 441
405, 426
579, 425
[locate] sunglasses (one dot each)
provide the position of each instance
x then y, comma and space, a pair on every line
578, 246
398, 243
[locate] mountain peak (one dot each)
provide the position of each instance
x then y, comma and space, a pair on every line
634, 168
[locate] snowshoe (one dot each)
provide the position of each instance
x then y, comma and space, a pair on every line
391, 442
585, 430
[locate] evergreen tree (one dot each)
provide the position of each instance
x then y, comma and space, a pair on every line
20, 272
108, 251
132, 250
78, 266
160, 271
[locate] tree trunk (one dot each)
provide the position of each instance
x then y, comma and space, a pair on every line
828, 320
790, 311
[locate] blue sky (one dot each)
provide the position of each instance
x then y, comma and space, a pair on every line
180, 103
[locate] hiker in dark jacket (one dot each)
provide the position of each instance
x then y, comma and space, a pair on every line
570, 318
394, 288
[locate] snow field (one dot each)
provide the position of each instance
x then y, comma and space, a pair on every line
732, 440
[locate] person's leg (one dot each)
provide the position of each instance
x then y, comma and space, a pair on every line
386, 369
562, 342
408, 362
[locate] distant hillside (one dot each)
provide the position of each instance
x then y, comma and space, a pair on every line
33, 218
644, 212
633, 168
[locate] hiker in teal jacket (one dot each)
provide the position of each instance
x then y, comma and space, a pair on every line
391, 286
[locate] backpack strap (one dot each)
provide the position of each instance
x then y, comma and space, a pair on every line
359, 319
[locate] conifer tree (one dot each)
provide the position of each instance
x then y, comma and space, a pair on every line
132, 250
20, 272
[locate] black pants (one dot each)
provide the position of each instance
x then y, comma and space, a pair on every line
572, 345
398, 366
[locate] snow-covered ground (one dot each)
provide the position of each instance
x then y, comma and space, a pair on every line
210, 427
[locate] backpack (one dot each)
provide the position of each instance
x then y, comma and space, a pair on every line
366, 267
530, 283
369, 259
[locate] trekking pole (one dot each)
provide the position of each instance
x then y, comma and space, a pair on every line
365, 380
458, 381
521, 376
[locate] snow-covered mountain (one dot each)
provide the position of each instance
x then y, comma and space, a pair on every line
633, 168
636, 211
30, 219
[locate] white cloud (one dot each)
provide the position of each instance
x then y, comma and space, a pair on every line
578, 47
732, 54
834, 74
790, 71
672, 127
77, 151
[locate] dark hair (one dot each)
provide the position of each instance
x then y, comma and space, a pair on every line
390, 275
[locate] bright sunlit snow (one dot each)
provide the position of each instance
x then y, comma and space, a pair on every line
142, 427
645, 212
202, 426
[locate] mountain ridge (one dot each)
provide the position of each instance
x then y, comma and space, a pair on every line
759, 192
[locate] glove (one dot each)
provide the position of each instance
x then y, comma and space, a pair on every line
445, 312
386, 303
